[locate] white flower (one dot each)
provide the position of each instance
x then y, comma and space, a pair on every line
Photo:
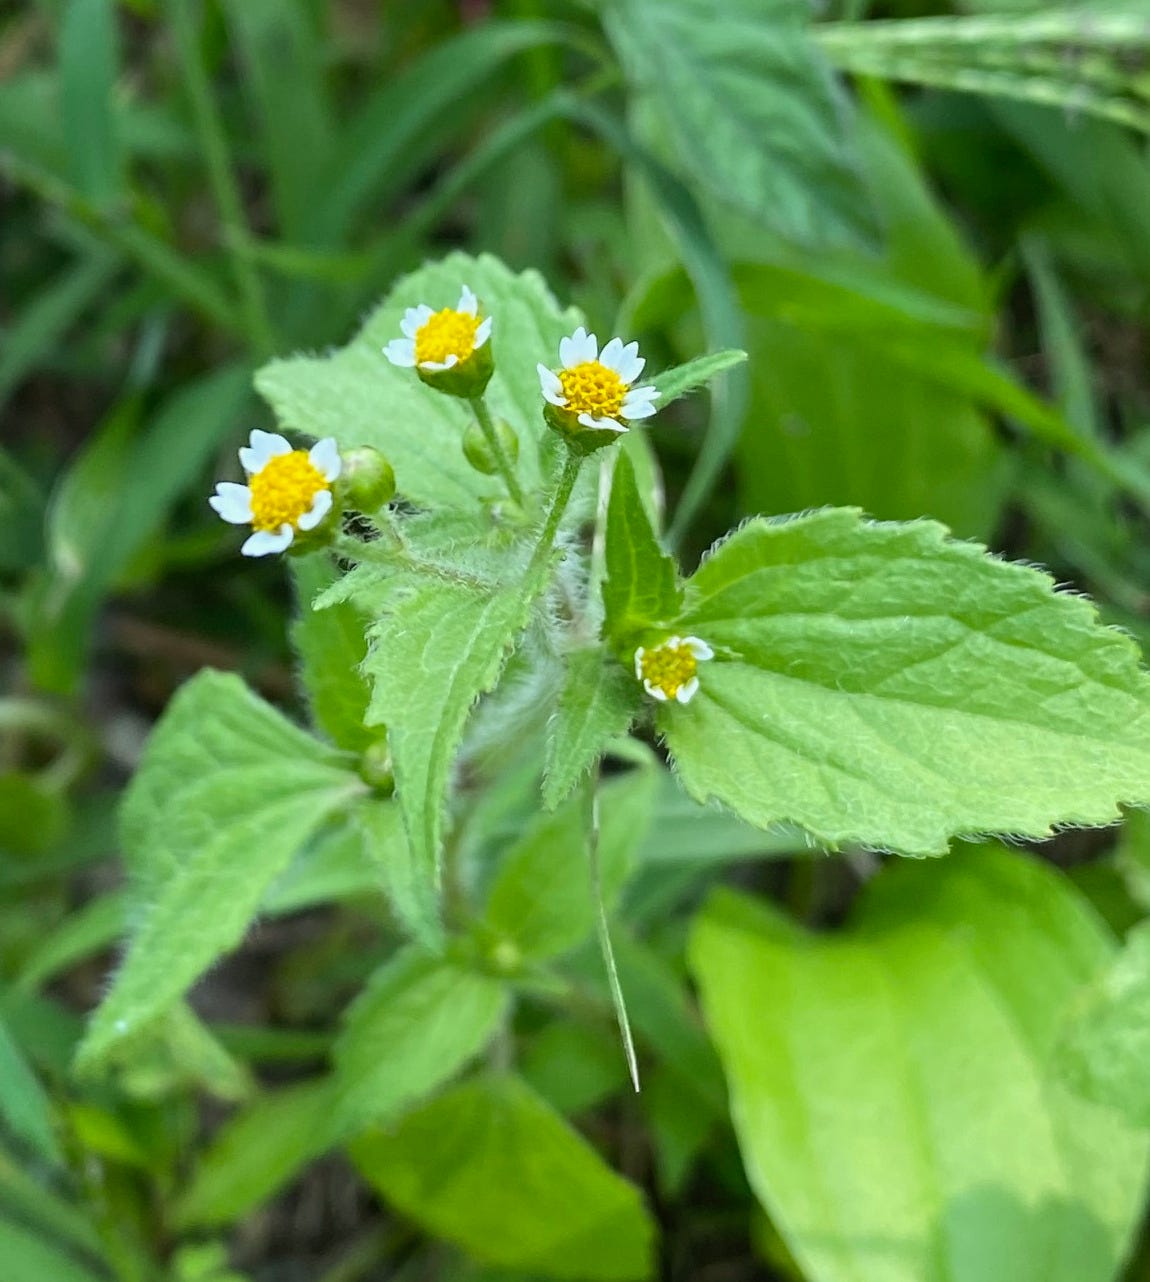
669, 670
287, 490
597, 386
440, 340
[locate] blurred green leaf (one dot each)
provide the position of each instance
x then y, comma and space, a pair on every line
112, 500
598, 702
88, 930
28, 1258
573, 1067
24, 1104
418, 1021
751, 107
227, 792
542, 900
1104, 1043
336, 866
33, 816
891, 1087
89, 64
490, 1167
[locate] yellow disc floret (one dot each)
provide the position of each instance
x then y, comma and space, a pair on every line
284, 490
592, 388
668, 667
446, 333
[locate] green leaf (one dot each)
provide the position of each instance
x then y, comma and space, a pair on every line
416, 1024
337, 865
681, 379
258, 1151
84, 932
89, 57
641, 590
176, 1052
227, 792
491, 1168
359, 398
28, 1258
891, 1085
24, 1105
977, 698
750, 106
600, 699
542, 900
1104, 1045
331, 644
437, 646
409, 890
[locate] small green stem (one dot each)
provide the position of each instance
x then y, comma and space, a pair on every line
543, 548
487, 427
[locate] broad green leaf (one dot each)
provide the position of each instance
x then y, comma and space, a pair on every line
750, 106
977, 698
25, 1109
416, 1024
542, 901
573, 1066
359, 398
337, 865
28, 1258
598, 702
411, 893
227, 792
681, 379
1104, 1047
331, 645
89, 56
436, 647
258, 1151
891, 1084
491, 1168
641, 590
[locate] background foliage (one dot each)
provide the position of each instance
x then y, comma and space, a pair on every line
927, 225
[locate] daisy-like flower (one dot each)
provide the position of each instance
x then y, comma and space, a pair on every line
288, 491
596, 389
453, 339
669, 670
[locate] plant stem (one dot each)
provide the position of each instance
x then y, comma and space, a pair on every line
237, 236
487, 426
543, 548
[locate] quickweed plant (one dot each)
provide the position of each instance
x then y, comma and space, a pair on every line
646, 867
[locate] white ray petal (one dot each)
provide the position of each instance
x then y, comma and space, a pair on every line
568, 347
324, 456
631, 364
401, 352
266, 542
686, 692
414, 319
699, 648
483, 331
604, 424
261, 447
436, 366
320, 507
639, 653
468, 303
655, 692
612, 355
233, 502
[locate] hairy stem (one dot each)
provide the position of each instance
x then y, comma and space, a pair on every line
502, 462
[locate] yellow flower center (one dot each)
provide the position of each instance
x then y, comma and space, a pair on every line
668, 667
284, 490
446, 333
592, 388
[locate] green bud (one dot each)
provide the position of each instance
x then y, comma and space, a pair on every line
367, 479
468, 379
580, 439
479, 452
376, 768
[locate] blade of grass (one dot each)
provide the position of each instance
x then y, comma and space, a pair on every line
89, 61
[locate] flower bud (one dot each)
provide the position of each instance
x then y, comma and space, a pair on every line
478, 451
368, 481
376, 768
